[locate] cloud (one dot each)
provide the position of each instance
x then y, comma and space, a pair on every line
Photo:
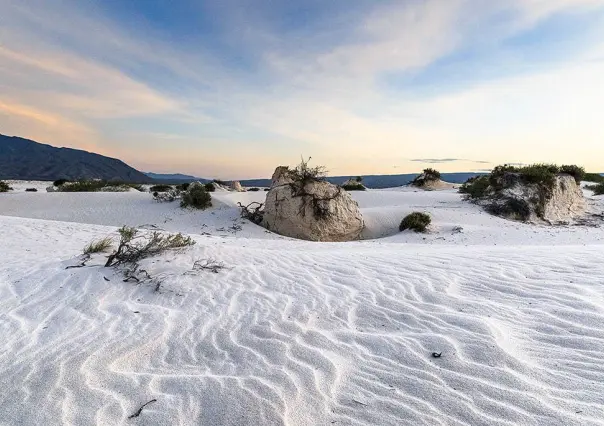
447, 160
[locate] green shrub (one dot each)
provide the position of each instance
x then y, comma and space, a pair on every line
597, 189
359, 179
593, 177
354, 187
196, 197
98, 246
4, 187
415, 221
59, 182
266, 189
475, 187
253, 189
83, 186
183, 186
31, 190
210, 187
160, 188
575, 171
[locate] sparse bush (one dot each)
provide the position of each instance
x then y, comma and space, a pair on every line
98, 246
475, 187
59, 182
359, 179
196, 197
31, 190
253, 189
134, 247
183, 186
304, 174
210, 187
575, 171
597, 189
89, 185
160, 188
415, 221
4, 187
167, 197
266, 189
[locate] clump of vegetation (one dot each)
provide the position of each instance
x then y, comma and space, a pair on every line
133, 247
512, 208
427, 176
475, 187
60, 182
210, 187
575, 171
31, 190
4, 187
593, 177
161, 188
167, 197
597, 189
540, 174
196, 197
98, 246
253, 189
349, 187
303, 173
415, 221
96, 185
183, 186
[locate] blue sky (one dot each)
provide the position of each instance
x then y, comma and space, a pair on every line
233, 88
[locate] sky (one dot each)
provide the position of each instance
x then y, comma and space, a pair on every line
234, 88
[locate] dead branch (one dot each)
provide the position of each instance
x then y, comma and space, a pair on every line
208, 265
85, 259
140, 410
252, 212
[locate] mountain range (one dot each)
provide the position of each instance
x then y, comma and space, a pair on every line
25, 159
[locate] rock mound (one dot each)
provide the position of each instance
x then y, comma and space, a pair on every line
313, 210
515, 195
429, 180
354, 185
236, 186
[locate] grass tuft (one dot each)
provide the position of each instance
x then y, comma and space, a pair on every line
98, 246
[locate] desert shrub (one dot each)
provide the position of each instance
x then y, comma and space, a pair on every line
167, 197
415, 221
253, 189
98, 246
160, 188
359, 179
593, 177
210, 187
512, 208
83, 186
31, 190
541, 174
349, 187
303, 173
59, 182
266, 189
575, 171
475, 187
196, 197
134, 247
4, 187
597, 189
183, 186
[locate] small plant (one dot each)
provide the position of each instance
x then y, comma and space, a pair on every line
253, 189
415, 221
60, 182
4, 187
304, 174
167, 197
475, 187
31, 190
210, 187
196, 197
98, 246
359, 179
134, 247
160, 188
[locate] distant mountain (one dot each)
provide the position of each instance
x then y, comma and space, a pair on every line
175, 177
25, 159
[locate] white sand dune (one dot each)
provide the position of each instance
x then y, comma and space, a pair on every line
300, 333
